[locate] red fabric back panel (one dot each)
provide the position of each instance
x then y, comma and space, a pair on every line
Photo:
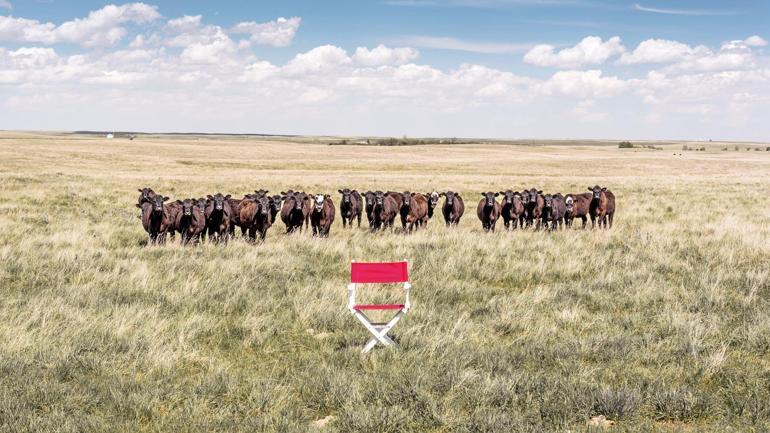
395, 272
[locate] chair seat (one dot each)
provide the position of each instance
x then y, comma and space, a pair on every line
379, 307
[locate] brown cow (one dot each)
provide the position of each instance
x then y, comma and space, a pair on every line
235, 216
577, 205
554, 209
518, 210
173, 209
155, 219
202, 203
293, 212
388, 208
255, 216
405, 207
275, 206
609, 213
488, 210
453, 208
507, 208
601, 205
418, 211
432, 202
535, 204
190, 221
322, 216
218, 216
370, 198
351, 207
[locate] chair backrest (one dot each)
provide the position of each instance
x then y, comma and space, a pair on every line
393, 272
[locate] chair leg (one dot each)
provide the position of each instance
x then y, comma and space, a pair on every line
378, 331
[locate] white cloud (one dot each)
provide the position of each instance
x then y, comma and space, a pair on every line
590, 51
278, 33
382, 55
100, 28
732, 55
319, 60
755, 41
656, 51
584, 84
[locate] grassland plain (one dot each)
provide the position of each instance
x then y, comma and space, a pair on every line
661, 324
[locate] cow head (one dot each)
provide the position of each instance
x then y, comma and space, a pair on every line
379, 198
157, 203
489, 198
569, 203
218, 200
187, 206
260, 192
596, 190
346, 193
547, 201
299, 200
450, 197
433, 199
146, 195
371, 198
275, 203
201, 203
318, 201
507, 196
263, 203
407, 198
524, 197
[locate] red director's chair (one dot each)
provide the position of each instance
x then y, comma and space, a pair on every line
364, 273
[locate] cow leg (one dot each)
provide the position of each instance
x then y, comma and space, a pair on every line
611, 217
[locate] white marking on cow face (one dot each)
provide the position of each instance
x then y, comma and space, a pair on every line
319, 202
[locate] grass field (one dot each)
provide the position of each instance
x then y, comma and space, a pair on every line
662, 323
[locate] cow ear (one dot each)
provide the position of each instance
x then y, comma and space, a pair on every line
590, 189
165, 198
210, 197
483, 194
604, 189
497, 194
227, 196
139, 189
441, 194
327, 196
179, 202
540, 192
283, 192
138, 205
339, 191
354, 191
412, 194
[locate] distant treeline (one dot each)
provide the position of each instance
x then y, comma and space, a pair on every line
400, 141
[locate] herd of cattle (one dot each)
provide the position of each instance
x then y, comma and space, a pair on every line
218, 215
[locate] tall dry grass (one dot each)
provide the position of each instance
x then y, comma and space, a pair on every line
661, 323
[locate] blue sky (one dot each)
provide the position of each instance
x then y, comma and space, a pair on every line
460, 67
